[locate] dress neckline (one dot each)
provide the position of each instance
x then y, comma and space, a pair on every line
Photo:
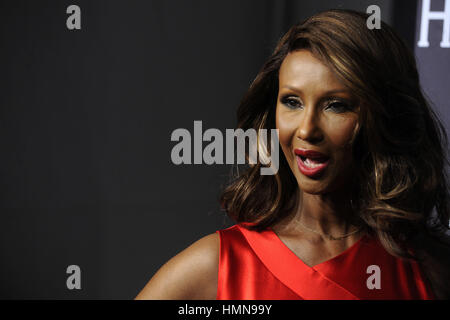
286, 250
306, 281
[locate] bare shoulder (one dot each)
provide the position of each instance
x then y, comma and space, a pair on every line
191, 274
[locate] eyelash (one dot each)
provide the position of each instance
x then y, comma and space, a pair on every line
344, 106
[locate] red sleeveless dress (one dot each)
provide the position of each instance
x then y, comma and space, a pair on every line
259, 266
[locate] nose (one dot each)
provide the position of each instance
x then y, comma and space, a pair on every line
308, 127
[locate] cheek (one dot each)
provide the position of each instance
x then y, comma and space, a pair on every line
341, 132
286, 128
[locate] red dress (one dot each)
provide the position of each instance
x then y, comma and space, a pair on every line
259, 266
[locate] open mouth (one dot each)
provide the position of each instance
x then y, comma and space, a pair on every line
310, 162
312, 168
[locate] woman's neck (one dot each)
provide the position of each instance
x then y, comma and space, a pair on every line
327, 214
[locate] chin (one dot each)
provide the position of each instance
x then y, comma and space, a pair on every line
313, 186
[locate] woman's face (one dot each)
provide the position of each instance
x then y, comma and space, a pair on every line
315, 112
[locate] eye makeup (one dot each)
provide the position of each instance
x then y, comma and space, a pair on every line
335, 104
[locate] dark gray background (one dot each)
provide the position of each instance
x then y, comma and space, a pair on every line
86, 174
433, 63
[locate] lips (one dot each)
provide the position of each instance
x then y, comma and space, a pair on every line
310, 162
310, 154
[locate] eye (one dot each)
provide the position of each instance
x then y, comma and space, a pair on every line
290, 102
338, 106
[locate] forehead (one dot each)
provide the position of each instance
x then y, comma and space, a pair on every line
301, 68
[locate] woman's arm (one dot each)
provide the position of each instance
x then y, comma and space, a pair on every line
191, 274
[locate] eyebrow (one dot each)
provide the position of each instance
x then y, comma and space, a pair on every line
326, 93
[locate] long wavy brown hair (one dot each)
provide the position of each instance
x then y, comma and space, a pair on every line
400, 187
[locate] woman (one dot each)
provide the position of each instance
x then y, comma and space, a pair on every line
360, 205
